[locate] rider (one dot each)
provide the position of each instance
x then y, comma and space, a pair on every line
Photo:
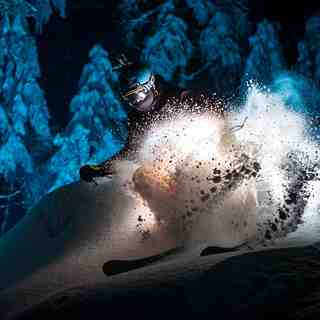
144, 96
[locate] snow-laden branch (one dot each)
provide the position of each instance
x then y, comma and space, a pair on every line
11, 195
40, 10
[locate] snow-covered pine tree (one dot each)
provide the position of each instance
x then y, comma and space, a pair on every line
98, 126
309, 51
40, 10
132, 21
45, 9
169, 31
238, 11
25, 133
158, 35
265, 60
202, 10
221, 53
168, 50
138, 18
300, 89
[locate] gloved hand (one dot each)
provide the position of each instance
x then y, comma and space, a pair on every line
108, 169
89, 172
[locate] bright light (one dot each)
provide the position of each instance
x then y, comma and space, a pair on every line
189, 163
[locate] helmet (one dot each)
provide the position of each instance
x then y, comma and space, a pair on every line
138, 87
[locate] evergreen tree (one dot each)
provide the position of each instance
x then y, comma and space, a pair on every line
45, 9
132, 21
309, 52
168, 37
265, 60
25, 134
138, 19
221, 53
168, 50
237, 11
40, 10
202, 10
97, 129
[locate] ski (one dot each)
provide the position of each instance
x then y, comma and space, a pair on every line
114, 267
211, 250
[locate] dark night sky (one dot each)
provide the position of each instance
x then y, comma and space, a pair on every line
65, 43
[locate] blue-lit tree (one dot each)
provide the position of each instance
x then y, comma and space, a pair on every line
25, 133
238, 12
308, 66
25, 137
158, 34
265, 60
97, 129
133, 21
309, 51
40, 10
168, 37
220, 53
138, 19
202, 10
168, 50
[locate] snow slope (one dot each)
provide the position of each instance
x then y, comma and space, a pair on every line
255, 285
184, 187
69, 235
72, 232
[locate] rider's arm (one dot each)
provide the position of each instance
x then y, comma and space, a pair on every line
130, 145
116, 157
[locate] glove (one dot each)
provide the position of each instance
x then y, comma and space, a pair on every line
89, 172
107, 169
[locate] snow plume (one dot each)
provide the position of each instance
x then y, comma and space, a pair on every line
287, 154
226, 179
301, 95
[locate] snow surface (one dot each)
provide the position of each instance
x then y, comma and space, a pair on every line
145, 208
253, 285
